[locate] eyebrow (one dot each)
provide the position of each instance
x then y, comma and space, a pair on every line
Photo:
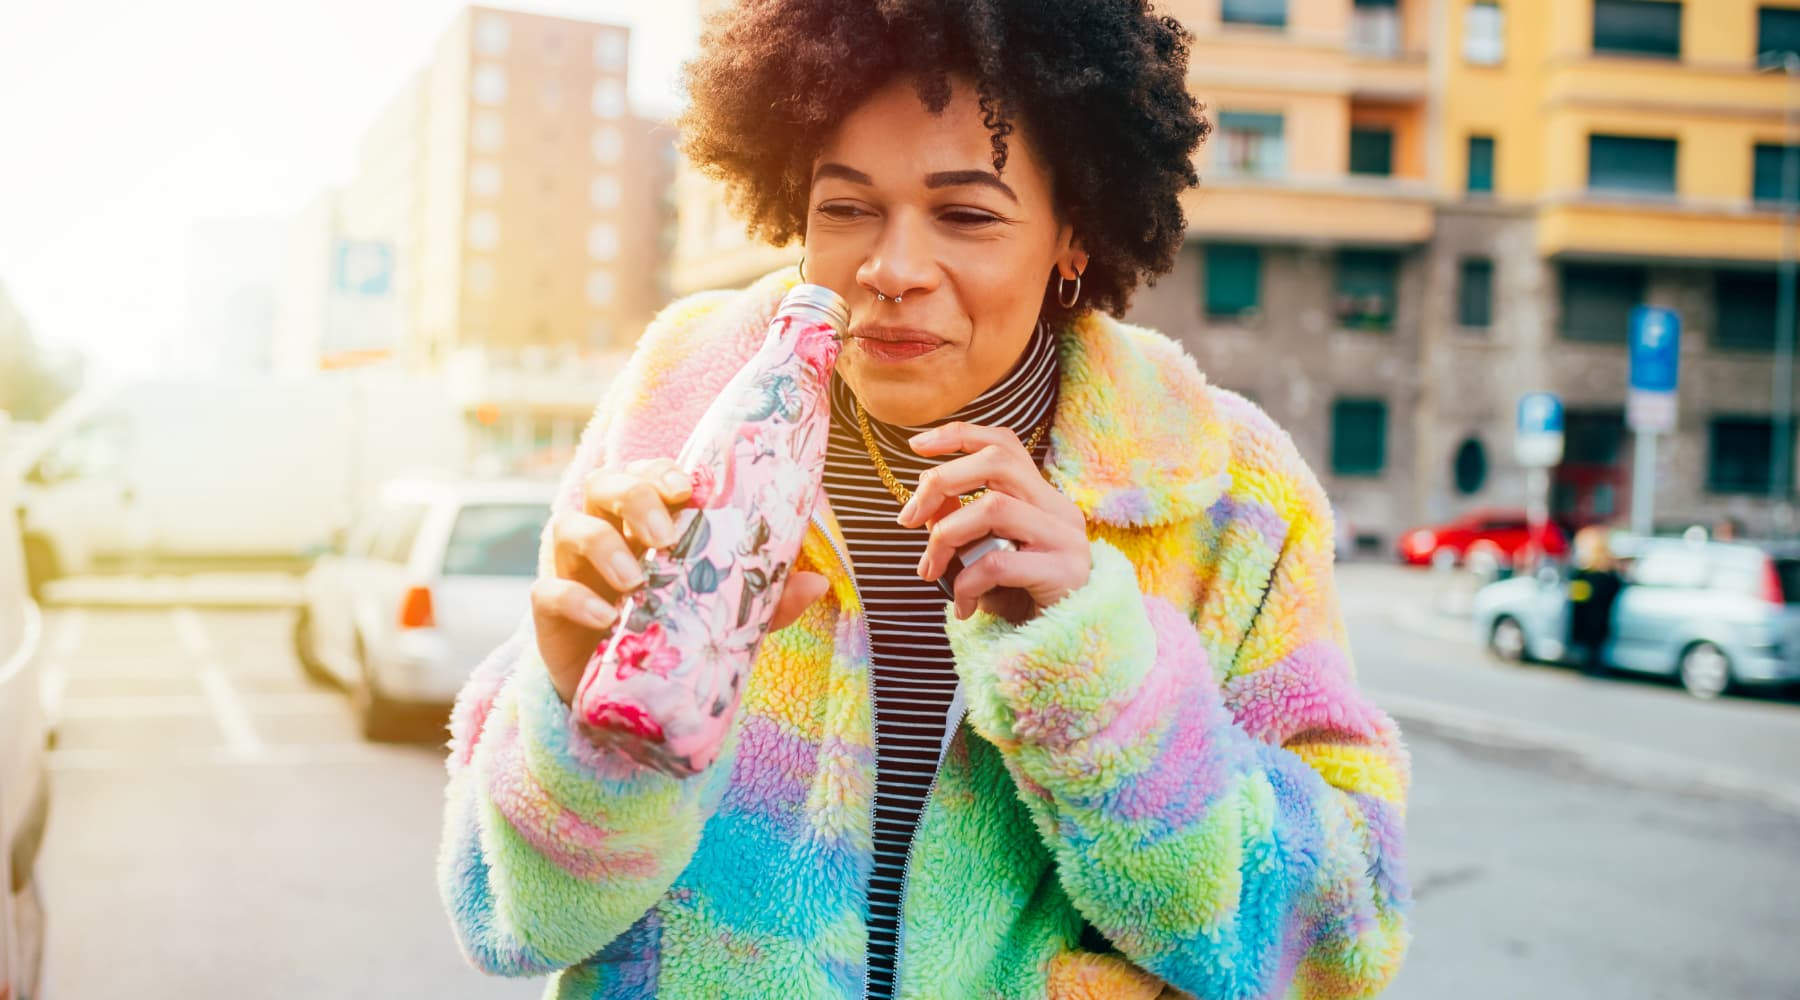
941, 179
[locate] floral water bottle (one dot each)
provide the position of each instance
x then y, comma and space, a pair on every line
663, 687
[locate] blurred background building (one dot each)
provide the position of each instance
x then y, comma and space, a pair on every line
508, 225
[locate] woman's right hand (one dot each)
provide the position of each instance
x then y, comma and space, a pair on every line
598, 553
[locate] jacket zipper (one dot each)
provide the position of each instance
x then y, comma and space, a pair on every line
906, 862
874, 725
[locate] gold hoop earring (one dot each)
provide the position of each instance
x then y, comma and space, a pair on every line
802, 268
1067, 302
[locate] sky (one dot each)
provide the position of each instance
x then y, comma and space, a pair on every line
125, 122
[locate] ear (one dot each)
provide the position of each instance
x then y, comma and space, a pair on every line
1071, 258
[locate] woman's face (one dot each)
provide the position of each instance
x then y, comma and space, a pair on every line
906, 204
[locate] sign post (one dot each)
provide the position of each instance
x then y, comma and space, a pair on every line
1650, 406
1538, 446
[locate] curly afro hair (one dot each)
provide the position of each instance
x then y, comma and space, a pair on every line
1099, 85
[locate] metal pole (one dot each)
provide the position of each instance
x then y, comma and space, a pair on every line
1537, 512
1780, 490
1643, 485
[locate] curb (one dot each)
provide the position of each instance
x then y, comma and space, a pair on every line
164, 592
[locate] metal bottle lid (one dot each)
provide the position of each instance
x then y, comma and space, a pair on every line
819, 302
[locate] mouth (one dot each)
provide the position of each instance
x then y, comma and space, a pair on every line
893, 343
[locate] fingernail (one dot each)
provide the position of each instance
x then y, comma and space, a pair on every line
906, 512
599, 613
923, 439
675, 482
664, 532
924, 565
626, 571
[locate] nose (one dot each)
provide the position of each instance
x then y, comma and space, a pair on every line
901, 262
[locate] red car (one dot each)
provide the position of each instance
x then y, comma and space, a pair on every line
1505, 531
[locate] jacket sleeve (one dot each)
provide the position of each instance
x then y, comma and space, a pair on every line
551, 850
1234, 828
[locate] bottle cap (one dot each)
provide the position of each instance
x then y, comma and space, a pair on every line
817, 301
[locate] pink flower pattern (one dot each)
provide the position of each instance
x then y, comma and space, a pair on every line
648, 650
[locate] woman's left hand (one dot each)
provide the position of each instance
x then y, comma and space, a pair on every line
1052, 557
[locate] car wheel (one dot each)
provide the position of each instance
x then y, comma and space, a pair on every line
1705, 670
307, 653
40, 565
1444, 558
1507, 640
378, 717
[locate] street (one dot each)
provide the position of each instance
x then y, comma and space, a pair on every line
219, 830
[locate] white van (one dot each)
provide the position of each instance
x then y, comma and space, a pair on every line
216, 473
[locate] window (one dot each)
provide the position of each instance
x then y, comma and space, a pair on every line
1767, 176
550, 95
609, 144
1358, 437
609, 99
1665, 565
1638, 28
553, 44
1778, 31
480, 274
1593, 437
604, 191
484, 230
1738, 455
1481, 164
1746, 310
1475, 294
609, 51
1597, 300
1252, 143
1372, 151
487, 131
1268, 13
394, 535
1375, 27
492, 35
1233, 280
489, 85
1484, 34
1470, 468
600, 288
495, 540
603, 241
484, 179
1367, 283
1631, 165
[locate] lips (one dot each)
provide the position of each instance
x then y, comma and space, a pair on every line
894, 343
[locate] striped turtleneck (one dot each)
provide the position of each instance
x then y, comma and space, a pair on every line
913, 679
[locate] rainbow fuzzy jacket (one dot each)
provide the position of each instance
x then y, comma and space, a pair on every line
1175, 756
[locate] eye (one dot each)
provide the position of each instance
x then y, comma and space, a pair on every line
964, 217
840, 212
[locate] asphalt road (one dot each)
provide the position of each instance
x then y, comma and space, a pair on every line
219, 830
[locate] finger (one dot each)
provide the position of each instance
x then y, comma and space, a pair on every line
557, 598
585, 546
961, 436
670, 479
799, 593
632, 503
1032, 572
996, 514
993, 467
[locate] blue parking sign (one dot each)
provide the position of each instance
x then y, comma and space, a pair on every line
1539, 441
1655, 349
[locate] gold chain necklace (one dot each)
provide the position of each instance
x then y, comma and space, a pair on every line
905, 495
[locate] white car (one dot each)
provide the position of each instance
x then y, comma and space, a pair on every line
24, 782
431, 579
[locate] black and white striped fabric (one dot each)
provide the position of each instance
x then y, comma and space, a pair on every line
914, 682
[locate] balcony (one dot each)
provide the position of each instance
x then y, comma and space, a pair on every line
1374, 52
1324, 211
1701, 89
1600, 226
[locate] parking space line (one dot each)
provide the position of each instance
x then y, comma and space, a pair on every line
320, 754
228, 708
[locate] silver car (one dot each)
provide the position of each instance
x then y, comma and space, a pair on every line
24, 773
1714, 615
430, 580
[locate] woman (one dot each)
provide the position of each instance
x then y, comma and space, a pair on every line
1594, 588
1128, 756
